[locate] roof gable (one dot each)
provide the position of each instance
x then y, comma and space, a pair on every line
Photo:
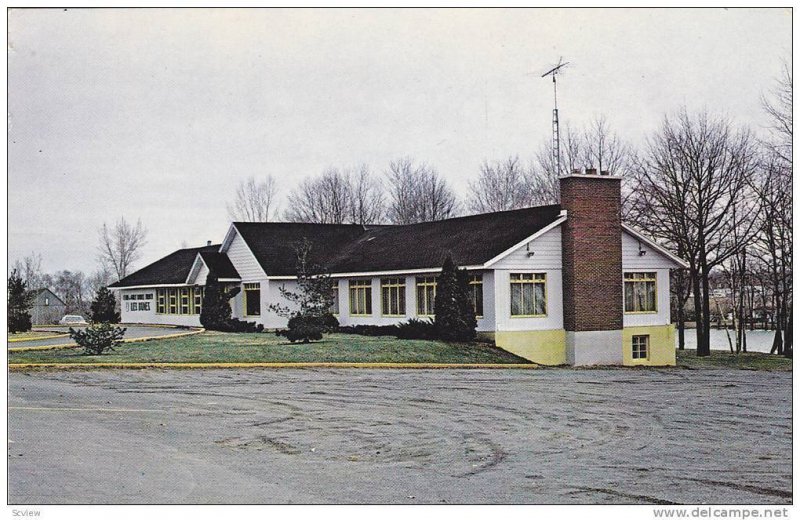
173, 269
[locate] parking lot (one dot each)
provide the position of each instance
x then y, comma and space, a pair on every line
400, 436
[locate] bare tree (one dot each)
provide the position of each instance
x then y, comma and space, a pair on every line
102, 277
367, 204
418, 194
597, 147
693, 171
774, 244
778, 106
337, 197
30, 270
501, 186
120, 245
70, 286
255, 201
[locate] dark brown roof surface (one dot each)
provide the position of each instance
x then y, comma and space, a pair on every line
350, 248
219, 264
172, 269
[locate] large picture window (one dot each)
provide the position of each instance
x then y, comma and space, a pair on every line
426, 295
393, 296
252, 299
476, 293
179, 300
640, 292
529, 294
360, 297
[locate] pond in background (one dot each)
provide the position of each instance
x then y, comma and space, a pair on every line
757, 340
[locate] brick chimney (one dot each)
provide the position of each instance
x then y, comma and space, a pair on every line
592, 262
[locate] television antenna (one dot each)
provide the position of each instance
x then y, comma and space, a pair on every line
556, 141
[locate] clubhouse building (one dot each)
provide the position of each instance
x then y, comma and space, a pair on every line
559, 284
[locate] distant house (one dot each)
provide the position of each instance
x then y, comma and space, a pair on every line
567, 283
47, 307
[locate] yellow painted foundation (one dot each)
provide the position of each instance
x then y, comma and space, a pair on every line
661, 345
546, 347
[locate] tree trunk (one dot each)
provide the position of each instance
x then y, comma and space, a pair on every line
698, 313
704, 348
787, 344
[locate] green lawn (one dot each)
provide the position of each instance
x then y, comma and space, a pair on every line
217, 347
724, 359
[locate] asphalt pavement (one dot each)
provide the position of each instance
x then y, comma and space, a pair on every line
597, 436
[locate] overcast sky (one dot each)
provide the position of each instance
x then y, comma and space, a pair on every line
158, 114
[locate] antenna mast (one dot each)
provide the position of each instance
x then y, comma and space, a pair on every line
556, 140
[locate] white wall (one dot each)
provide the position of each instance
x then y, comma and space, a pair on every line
150, 316
270, 293
546, 251
652, 259
202, 274
243, 260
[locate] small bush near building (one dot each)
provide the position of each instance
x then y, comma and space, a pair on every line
416, 329
19, 304
98, 338
216, 310
309, 312
369, 330
103, 308
308, 328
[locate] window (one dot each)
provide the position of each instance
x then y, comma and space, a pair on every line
393, 296
161, 298
360, 297
335, 302
184, 291
528, 294
173, 301
182, 300
47, 300
252, 299
640, 292
640, 347
426, 295
476, 293
198, 300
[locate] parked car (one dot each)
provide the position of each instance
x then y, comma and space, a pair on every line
72, 319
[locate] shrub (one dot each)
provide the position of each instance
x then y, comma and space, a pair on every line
416, 329
19, 303
98, 338
303, 328
103, 308
369, 330
216, 311
237, 325
455, 316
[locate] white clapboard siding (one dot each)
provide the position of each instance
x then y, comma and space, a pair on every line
243, 260
202, 274
652, 259
546, 251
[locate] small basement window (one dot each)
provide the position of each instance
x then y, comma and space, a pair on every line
641, 347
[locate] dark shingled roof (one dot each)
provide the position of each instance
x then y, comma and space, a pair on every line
220, 264
351, 248
470, 240
274, 243
172, 269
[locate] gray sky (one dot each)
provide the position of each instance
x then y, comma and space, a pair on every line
158, 114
